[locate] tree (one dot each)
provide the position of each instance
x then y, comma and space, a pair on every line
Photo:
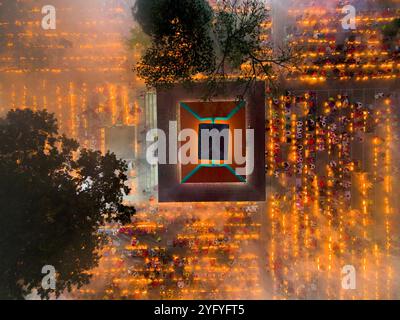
244, 50
138, 40
181, 40
191, 41
391, 30
53, 199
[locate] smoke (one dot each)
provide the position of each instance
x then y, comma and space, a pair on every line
207, 250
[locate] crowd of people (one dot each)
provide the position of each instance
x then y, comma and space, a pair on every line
322, 159
176, 254
326, 50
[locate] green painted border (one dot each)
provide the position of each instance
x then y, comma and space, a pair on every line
228, 117
191, 174
213, 120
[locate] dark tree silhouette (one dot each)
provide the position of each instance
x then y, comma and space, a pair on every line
192, 41
53, 199
391, 30
182, 45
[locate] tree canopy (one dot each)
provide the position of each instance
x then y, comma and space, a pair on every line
53, 199
191, 41
391, 30
181, 39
